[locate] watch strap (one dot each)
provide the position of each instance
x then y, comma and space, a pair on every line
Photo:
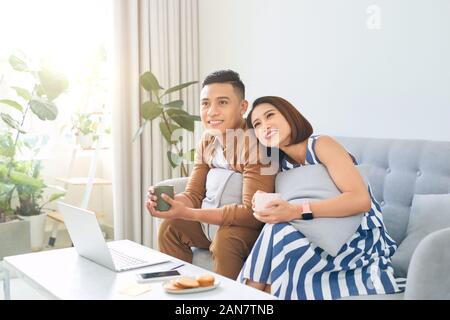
306, 211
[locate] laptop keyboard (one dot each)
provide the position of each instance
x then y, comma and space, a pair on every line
122, 260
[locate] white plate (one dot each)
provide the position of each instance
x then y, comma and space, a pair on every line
193, 290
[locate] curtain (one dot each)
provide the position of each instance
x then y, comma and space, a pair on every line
149, 35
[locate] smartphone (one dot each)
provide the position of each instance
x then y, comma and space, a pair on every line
157, 276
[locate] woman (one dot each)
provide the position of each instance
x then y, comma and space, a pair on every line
283, 261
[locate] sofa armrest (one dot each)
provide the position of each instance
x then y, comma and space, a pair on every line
178, 183
428, 271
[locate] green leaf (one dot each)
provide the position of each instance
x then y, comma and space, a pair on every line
149, 82
53, 83
176, 112
40, 90
24, 93
3, 171
56, 196
166, 133
174, 159
6, 145
185, 122
12, 103
174, 104
45, 110
11, 122
17, 63
179, 87
189, 155
25, 180
151, 110
139, 131
182, 118
6, 188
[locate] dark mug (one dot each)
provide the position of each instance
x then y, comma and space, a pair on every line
162, 205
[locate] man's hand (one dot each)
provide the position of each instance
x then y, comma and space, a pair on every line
178, 210
151, 199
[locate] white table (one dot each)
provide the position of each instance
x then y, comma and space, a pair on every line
63, 274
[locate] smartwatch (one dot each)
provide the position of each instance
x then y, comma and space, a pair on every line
306, 212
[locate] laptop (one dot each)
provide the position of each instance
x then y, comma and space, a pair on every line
89, 242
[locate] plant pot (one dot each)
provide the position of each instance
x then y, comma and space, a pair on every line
85, 141
37, 230
14, 238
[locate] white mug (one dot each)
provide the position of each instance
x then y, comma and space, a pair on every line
262, 198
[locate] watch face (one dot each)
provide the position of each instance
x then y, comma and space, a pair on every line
307, 216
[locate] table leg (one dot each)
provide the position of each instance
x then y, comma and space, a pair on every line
6, 285
52, 239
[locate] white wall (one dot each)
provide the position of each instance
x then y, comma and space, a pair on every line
392, 82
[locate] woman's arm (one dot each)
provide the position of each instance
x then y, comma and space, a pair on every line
354, 199
187, 205
355, 196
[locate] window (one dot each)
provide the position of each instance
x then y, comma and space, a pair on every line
69, 37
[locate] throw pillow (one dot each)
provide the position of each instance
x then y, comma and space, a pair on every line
312, 182
429, 213
223, 187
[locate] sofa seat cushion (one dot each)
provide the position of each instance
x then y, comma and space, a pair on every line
202, 258
394, 296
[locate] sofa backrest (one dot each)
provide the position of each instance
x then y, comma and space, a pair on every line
400, 169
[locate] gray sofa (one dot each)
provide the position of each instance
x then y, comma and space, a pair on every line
399, 169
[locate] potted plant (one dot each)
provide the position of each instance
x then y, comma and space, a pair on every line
172, 118
84, 126
21, 183
88, 128
14, 233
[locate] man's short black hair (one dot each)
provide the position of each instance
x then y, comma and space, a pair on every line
226, 76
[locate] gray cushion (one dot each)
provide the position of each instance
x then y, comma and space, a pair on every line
309, 183
429, 213
393, 296
223, 187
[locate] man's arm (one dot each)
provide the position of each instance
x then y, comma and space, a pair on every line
237, 214
184, 199
242, 214
187, 204
195, 190
211, 216
254, 178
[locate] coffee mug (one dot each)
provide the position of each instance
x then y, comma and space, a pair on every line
262, 198
162, 205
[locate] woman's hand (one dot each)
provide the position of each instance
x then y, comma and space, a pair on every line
253, 198
277, 211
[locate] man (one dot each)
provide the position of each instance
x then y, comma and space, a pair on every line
223, 105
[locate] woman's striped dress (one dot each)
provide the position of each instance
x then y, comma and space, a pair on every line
297, 269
